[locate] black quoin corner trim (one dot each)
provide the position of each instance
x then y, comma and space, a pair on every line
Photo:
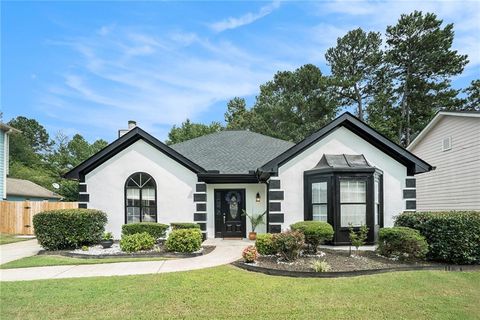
200, 187
274, 228
275, 195
413, 163
199, 217
201, 207
82, 206
274, 207
83, 197
203, 226
199, 197
274, 184
410, 183
210, 177
411, 204
122, 143
409, 194
82, 187
276, 218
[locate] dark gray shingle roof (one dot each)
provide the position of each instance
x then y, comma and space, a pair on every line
232, 151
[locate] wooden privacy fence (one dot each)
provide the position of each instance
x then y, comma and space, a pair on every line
16, 216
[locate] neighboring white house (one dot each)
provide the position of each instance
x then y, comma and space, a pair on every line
451, 143
345, 173
5, 131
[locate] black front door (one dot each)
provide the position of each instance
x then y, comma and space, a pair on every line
229, 206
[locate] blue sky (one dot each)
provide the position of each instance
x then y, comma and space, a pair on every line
88, 67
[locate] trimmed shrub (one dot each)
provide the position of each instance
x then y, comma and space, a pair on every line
288, 244
184, 225
184, 240
250, 254
452, 236
69, 228
402, 242
315, 232
137, 242
265, 244
156, 230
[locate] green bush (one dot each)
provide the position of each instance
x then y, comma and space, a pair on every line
184, 240
69, 228
184, 225
402, 242
452, 236
264, 244
137, 242
156, 230
288, 244
315, 232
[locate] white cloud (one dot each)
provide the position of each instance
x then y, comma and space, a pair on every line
158, 81
232, 22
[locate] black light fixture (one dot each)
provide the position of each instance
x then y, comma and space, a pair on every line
257, 198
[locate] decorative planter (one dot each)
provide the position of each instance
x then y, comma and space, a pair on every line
252, 236
106, 243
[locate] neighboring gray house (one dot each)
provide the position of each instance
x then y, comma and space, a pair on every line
451, 143
5, 131
21, 190
344, 173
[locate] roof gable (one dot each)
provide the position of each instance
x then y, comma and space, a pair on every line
122, 143
436, 119
413, 163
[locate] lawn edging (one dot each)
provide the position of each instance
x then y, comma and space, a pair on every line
355, 273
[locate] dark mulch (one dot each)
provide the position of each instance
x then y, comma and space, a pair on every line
340, 261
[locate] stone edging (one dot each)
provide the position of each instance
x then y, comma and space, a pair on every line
207, 250
304, 274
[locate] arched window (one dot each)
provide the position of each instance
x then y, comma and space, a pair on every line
140, 198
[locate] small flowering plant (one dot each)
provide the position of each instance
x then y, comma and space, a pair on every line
250, 254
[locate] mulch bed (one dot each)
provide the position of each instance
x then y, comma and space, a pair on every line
342, 265
159, 252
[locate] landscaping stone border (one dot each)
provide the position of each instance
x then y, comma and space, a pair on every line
65, 253
355, 273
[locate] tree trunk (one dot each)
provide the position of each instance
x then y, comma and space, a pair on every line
405, 114
359, 103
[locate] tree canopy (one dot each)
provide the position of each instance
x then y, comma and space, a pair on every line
189, 130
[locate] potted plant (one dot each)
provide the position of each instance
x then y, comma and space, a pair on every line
107, 240
255, 221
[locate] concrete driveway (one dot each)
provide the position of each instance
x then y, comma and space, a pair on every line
18, 250
226, 251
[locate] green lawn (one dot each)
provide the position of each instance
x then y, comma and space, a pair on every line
47, 260
230, 293
10, 238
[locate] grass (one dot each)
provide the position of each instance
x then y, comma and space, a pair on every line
52, 260
11, 238
230, 293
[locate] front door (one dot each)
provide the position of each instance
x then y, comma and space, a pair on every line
229, 207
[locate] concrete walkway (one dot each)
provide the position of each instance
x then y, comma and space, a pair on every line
18, 250
226, 251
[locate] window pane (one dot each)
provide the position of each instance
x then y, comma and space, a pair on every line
148, 197
133, 197
352, 191
319, 212
319, 192
149, 214
133, 214
354, 214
